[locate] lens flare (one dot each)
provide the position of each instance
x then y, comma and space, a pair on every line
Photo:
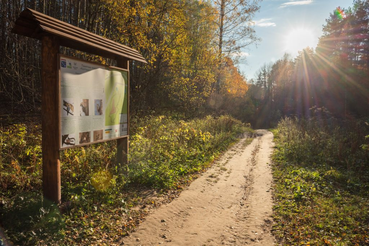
340, 13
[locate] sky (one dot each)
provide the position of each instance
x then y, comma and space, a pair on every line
286, 26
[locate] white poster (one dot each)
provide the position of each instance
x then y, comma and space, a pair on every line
94, 102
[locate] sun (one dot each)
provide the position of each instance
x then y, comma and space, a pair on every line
298, 39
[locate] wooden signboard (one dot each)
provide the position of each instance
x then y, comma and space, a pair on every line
94, 102
82, 102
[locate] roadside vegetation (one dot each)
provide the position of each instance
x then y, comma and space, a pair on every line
98, 197
321, 160
321, 172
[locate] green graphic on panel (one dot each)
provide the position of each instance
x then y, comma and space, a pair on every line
115, 94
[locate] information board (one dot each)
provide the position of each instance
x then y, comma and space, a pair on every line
93, 101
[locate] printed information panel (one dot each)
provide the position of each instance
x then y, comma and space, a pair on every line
94, 102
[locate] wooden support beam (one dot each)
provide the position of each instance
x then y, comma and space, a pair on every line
50, 120
122, 151
122, 143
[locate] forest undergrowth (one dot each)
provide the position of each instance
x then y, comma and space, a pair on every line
99, 198
321, 172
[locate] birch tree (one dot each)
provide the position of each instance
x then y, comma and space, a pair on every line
235, 27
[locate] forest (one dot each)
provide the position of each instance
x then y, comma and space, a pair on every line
186, 43
191, 67
188, 105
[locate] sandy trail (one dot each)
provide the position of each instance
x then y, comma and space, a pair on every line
230, 204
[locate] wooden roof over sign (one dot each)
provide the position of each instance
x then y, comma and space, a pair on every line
34, 24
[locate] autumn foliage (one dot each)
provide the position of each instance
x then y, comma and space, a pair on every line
179, 40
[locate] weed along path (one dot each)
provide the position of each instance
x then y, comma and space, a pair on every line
230, 204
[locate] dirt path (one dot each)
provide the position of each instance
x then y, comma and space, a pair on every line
230, 204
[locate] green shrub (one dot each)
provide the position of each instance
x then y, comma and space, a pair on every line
321, 182
164, 152
20, 158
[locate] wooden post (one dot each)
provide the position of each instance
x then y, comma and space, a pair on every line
122, 143
51, 182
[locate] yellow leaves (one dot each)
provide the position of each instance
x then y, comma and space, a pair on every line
177, 40
83, 152
16, 166
102, 180
76, 159
133, 11
234, 84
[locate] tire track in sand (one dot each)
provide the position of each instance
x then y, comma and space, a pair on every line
230, 204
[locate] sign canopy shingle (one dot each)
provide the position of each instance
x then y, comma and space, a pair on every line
34, 24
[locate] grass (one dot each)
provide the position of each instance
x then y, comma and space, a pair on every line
321, 177
102, 202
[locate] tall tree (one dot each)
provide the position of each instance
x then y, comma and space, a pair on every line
281, 76
264, 81
235, 27
342, 52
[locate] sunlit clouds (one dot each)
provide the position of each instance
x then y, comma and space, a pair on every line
296, 3
264, 23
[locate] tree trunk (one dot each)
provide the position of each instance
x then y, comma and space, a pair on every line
222, 6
